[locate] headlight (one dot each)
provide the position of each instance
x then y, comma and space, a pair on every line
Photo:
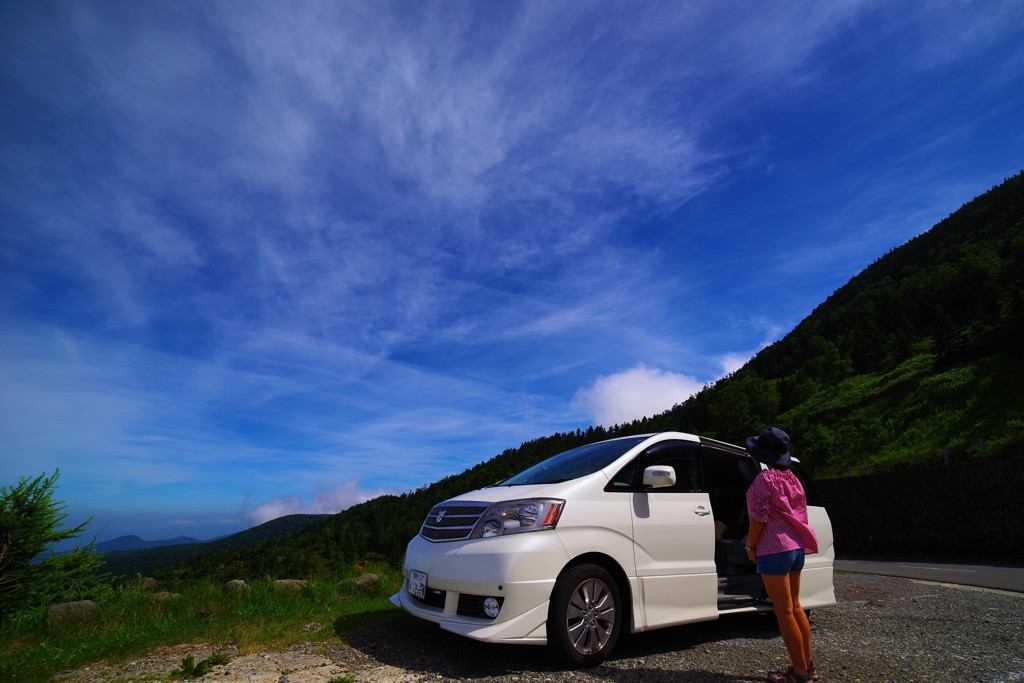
518, 516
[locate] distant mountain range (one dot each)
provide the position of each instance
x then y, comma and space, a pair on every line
125, 556
133, 542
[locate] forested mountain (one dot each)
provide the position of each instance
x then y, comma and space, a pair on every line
919, 353
149, 559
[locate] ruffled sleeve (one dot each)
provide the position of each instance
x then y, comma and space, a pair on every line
758, 499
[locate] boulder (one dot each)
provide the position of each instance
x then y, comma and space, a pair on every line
163, 596
291, 584
366, 579
236, 586
71, 612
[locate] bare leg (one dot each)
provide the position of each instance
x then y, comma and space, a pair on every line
793, 635
801, 616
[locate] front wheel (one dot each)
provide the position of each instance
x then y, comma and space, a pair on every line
585, 616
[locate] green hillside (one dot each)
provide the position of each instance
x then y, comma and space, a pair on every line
919, 353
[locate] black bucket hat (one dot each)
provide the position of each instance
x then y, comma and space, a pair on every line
771, 447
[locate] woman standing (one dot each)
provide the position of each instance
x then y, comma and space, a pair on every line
778, 538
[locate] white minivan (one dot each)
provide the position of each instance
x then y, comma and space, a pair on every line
635, 533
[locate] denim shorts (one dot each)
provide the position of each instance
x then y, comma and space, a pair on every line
780, 564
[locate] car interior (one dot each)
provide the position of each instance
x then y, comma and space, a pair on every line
727, 476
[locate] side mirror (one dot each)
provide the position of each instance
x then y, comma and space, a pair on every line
659, 476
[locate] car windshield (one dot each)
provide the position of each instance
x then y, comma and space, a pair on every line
575, 463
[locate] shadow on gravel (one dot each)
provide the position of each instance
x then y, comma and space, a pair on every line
400, 640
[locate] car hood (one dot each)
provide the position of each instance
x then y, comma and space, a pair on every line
497, 494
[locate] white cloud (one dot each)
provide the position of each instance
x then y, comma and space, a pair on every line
639, 392
324, 502
731, 362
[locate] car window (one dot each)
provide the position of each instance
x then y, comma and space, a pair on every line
574, 463
682, 456
625, 479
727, 476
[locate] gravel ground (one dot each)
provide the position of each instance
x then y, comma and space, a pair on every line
882, 629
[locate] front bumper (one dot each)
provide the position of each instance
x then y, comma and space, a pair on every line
519, 570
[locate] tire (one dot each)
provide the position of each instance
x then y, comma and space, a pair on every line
585, 616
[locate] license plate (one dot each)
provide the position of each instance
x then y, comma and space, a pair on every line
418, 584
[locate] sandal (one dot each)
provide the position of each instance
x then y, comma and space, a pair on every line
812, 672
787, 676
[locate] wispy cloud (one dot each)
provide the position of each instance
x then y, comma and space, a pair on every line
252, 251
769, 332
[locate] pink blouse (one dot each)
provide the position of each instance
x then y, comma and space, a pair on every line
777, 498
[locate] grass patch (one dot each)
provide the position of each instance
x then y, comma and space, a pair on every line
135, 618
189, 668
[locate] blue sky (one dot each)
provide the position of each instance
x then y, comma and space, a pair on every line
271, 257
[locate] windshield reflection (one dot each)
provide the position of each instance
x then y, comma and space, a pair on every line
574, 463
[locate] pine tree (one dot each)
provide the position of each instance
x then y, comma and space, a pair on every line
30, 524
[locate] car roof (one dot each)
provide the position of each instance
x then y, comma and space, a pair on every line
723, 445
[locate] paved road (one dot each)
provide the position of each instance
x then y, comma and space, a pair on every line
981, 575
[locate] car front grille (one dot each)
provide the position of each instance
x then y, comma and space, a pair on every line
452, 522
433, 598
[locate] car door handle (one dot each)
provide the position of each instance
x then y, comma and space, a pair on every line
701, 511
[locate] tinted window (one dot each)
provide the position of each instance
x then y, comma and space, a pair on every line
682, 456
625, 479
727, 476
572, 464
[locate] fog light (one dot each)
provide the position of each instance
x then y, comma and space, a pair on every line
491, 607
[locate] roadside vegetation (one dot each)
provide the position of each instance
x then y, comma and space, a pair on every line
135, 616
116, 618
